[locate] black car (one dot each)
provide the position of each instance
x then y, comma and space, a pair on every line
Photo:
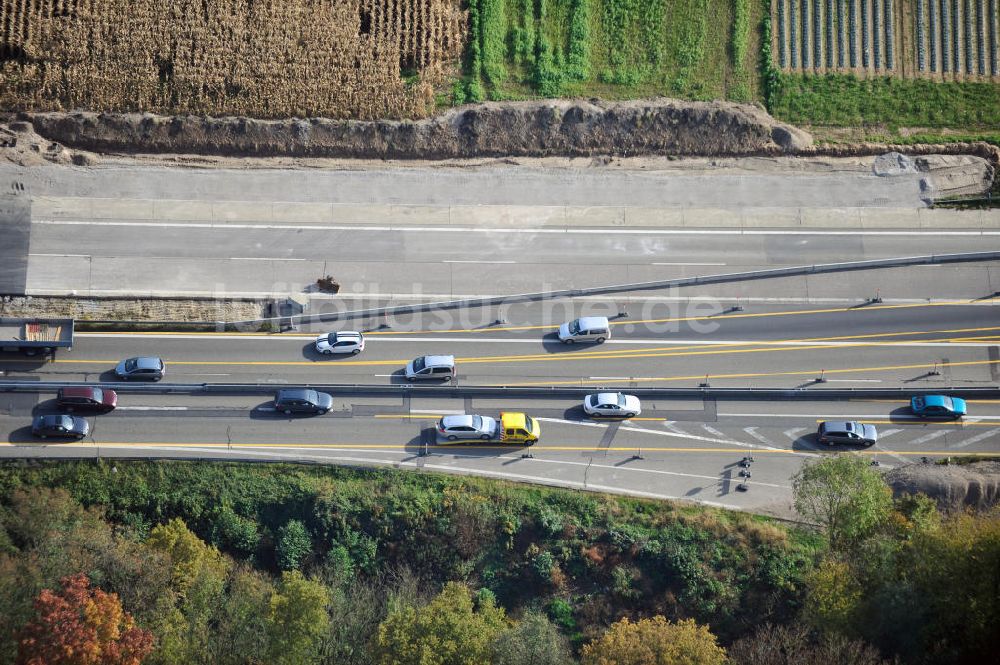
60, 426
302, 400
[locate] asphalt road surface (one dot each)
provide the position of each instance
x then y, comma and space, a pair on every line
919, 345
676, 449
93, 257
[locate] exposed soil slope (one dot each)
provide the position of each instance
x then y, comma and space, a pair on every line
954, 487
516, 129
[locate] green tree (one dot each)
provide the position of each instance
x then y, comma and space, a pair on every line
654, 641
844, 494
198, 575
834, 596
241, 623
532, 641
189, 555
235, 532
294, 545
450, 630
297, 619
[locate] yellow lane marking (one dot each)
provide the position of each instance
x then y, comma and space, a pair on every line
647, 352
949, 303
536, 448
430, 416
812, 372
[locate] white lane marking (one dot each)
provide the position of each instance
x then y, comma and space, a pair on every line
854, 380
152, 408
65, 256
929, 437
889, 432
793, 433
443, 412
520, 231
263, 258
977, 438
383, 375
674, 428
763, 440
537, 340
487, 262
681, 263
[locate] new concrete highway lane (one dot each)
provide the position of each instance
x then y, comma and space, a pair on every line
677, 449
916, 345
91, 256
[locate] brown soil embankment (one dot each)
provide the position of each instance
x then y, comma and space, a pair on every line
954, 486
512, 129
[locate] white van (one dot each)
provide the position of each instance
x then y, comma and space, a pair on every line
586, 329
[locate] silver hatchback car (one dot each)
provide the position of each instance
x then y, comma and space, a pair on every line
454, 428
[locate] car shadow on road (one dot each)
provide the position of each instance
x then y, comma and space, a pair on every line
427, 444
551, 344
22, 436
45, 408
15, 363
309, 352
810, 442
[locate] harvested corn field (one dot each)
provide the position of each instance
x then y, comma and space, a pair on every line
264, 58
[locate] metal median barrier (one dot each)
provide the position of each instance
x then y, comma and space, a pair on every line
772, 273
519, 392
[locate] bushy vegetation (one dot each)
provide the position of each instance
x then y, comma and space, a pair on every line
612, 48
228, 563
845, 100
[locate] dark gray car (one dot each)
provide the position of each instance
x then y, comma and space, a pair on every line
60, 426
302, 400
832, 432
145, 368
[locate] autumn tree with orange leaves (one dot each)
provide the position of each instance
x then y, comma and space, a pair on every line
81, 626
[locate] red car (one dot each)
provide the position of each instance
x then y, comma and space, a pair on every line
85, 398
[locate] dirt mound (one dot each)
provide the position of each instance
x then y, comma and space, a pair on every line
21, 145
515, 129
953, 486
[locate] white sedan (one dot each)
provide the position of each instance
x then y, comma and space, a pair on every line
617, 405
340, 342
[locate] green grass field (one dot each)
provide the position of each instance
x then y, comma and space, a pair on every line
613, 49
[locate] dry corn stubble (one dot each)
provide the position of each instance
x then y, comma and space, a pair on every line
362, 59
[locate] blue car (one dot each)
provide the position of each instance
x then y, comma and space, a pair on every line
937, 406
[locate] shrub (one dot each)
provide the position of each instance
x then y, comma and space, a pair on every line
293, 546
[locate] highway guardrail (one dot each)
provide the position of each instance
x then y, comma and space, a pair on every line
521, 392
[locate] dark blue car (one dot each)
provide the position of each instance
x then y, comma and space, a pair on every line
937, 406
60, 426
